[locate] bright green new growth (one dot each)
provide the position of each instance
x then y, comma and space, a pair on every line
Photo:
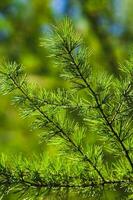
103, 105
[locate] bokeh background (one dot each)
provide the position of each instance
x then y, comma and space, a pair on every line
106, 25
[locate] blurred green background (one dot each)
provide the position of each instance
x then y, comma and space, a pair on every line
106, 25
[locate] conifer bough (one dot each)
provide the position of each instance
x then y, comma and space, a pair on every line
104, 106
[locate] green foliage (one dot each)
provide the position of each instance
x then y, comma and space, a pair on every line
101, 102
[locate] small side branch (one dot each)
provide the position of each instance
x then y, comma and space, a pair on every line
126, 152
62, 134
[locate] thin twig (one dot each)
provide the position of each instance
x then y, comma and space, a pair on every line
101, 110
63, 135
